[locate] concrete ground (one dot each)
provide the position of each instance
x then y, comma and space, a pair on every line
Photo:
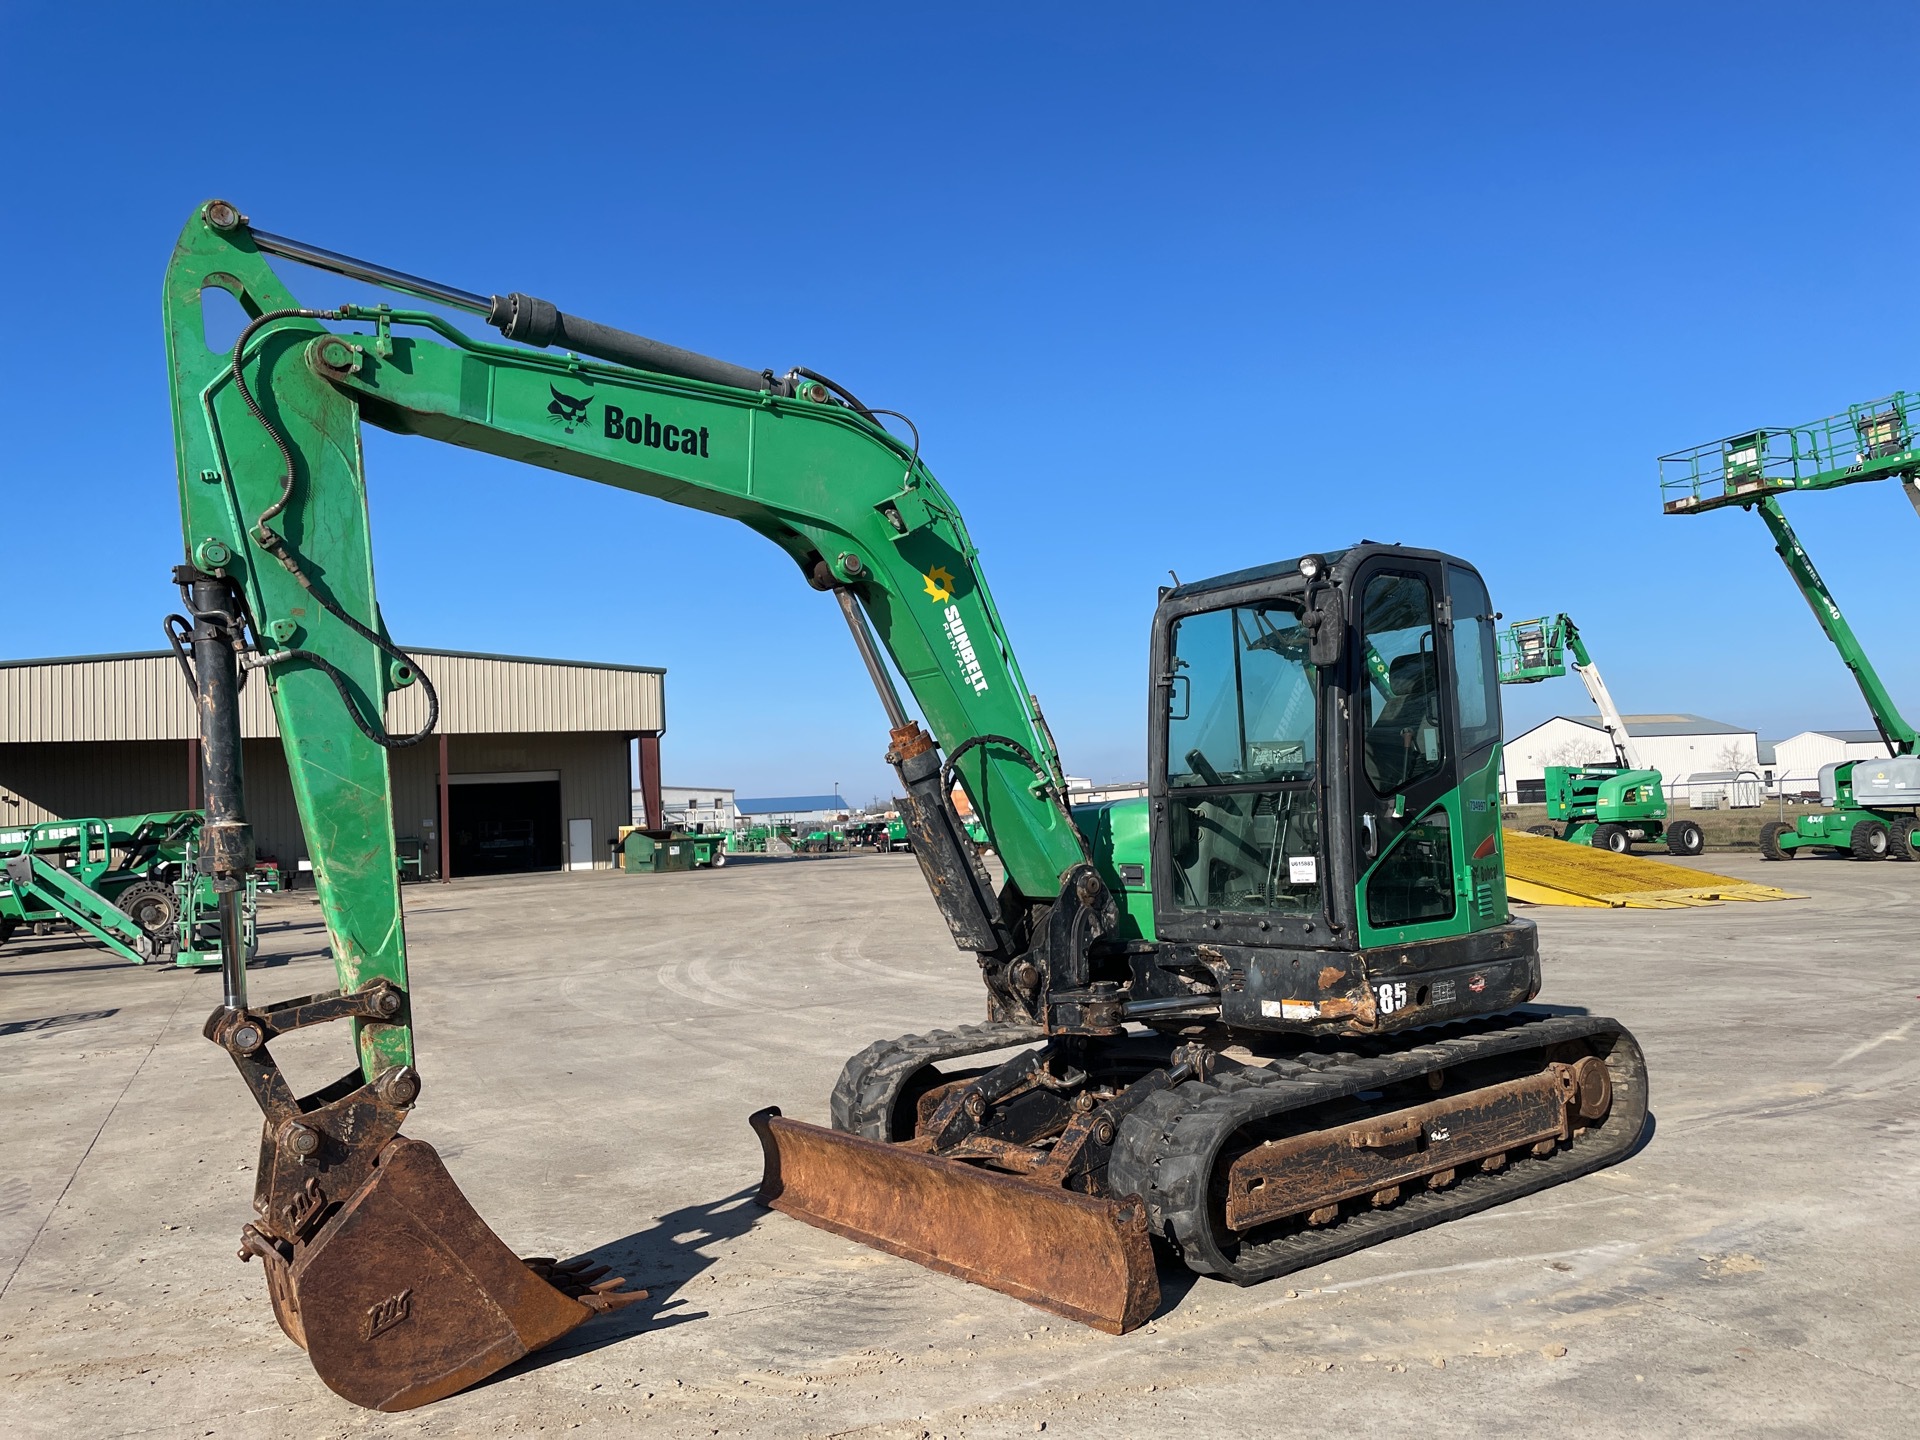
592, 1045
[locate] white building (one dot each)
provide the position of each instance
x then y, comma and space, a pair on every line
698, 807
1082, 791
1798, 759
1678, 746
692, 807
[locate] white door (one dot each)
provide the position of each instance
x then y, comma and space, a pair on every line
580, 844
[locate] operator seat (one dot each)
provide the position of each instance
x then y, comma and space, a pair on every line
1405, 740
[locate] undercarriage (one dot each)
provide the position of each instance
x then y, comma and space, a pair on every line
1046, 1175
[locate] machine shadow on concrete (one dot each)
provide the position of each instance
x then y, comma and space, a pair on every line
662, 1259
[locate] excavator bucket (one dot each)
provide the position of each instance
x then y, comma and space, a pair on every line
405, 1295
1085, 1258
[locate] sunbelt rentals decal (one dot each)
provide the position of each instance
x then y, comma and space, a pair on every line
939, 587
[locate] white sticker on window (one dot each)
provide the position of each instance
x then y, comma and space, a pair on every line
1303, 869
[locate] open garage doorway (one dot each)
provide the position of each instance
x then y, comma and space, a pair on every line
506, 823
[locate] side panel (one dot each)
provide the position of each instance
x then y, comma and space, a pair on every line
1117, 834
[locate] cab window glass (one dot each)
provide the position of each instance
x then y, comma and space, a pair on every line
1402, 711
1243, 821
1413, 883
1243, 697
1475, 668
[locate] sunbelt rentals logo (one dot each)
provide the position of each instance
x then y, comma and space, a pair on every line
939, 588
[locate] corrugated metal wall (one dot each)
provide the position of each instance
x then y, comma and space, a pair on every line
64, 782
49, 782
144, 697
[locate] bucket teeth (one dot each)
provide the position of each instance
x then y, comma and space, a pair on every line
1086, 1258
580, 1280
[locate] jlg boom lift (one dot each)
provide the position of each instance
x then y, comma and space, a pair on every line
1266, 1016
1875, 803
1608, 806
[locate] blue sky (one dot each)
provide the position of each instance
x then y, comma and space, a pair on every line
1185, 288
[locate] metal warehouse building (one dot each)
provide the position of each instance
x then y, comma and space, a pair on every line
530, 767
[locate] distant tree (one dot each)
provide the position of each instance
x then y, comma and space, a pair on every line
1579, 752
1735, 756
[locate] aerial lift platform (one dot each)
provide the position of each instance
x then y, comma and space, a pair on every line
1607, 806
1874, 804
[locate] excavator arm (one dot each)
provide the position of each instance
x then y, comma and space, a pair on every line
279, 581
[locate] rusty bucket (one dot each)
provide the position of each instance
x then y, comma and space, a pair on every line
376, 1264
1086, 1258
405, 1296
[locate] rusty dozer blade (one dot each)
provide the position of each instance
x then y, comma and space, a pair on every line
376, 1263
1085, 1258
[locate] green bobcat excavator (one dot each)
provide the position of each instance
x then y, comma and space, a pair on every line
1270, 1014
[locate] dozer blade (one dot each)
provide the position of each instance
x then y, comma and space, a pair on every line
405, 1295
1085, 1258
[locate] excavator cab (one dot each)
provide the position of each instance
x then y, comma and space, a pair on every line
1304, 812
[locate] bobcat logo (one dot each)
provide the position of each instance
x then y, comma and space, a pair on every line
385, 1314
567, 410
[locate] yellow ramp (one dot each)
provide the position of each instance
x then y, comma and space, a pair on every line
1543, 871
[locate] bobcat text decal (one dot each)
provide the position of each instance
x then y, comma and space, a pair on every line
645, 430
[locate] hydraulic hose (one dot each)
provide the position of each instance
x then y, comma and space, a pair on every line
275, 545
1025, 757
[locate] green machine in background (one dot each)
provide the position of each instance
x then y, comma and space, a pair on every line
1874, 805
1607, 806
652, 854
130, 883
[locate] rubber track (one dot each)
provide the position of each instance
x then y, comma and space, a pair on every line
870, 1083
1169, 1148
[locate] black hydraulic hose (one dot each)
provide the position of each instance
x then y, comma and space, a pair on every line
270, 540
261, 533
913, 462
1025, 757
179, 632
871, 416
845, 394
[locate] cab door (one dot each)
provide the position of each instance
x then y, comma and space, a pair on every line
1407, 825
